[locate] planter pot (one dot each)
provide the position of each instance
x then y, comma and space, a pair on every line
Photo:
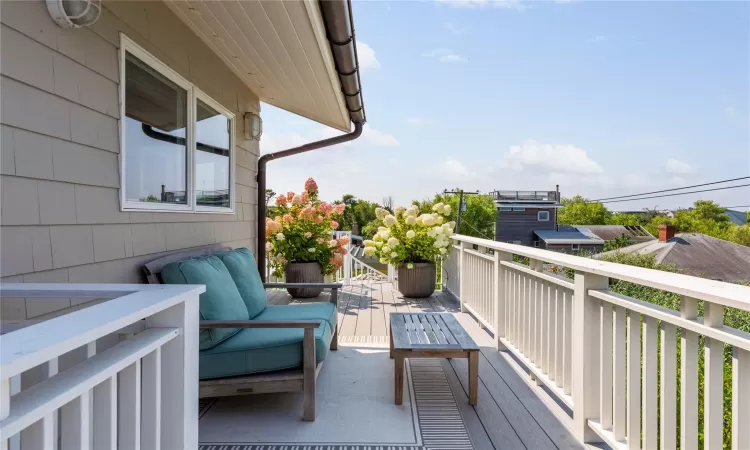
304, 273
418, 282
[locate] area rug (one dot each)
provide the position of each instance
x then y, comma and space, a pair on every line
355, 410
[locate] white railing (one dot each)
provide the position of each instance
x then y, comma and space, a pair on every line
121, 374
612, 358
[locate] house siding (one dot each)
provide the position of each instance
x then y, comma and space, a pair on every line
520, 225
60, 219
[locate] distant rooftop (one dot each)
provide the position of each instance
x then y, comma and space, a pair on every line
737, 217
699, 255
609, 232
526, 198
567, 237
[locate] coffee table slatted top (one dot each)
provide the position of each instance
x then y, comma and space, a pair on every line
429, 331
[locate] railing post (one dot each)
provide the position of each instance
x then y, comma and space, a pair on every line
586, 354
500, 297
179, 375
391, 273
462, 276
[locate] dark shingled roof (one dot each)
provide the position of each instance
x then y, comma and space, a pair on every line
609, 232
699, 255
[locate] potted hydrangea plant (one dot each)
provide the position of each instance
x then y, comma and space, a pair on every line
299, 240
413, 243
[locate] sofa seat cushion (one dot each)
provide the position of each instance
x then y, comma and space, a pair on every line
308, 311
221, 301
256, 350
241, 265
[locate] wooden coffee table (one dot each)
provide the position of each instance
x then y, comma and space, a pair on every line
431, 335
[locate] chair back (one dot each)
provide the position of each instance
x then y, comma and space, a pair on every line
152, 269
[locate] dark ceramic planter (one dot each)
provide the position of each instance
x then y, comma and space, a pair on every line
417, 282
304, 273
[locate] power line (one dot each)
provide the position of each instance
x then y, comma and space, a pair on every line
670, 190
672, 195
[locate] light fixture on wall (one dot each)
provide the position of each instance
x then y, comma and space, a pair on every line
253, 126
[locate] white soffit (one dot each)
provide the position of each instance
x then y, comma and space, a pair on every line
278, 48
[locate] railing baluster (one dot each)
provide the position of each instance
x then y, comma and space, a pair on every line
619, 375
74, 423
668, 397
650, 383
689, 378
606, 358
129, 407
551, 321
559, 336
151, 401
35, 436
740, 399
634, 381
105, 415
713, 394
568, 379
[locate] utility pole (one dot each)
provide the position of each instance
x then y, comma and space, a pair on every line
460, 193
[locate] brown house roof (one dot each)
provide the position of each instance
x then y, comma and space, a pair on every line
699, 255
609, 232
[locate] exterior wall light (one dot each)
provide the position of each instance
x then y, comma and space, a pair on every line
253, 126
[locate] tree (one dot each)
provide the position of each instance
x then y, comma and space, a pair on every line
741, 234
388, 203
578, 211
479, 218
270, 193
618, 242
357, 211
625, 219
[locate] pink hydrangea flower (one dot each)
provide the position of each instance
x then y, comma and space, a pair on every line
334, 224
311, 186
297, 200
332, 243
281, 200
320, 240
288, 218
319, 219
338, 209
343, 240
307, 212
325, 208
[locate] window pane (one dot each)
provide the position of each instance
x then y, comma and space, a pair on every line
155, 130
212, 157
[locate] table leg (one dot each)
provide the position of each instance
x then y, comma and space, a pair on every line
473, 377
399, 368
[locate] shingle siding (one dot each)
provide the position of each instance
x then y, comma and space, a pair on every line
520, 225
60, 218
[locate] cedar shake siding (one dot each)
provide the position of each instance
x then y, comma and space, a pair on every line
61, 219
520, 225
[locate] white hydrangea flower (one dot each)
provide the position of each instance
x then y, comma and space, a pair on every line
443, 251
394, 255
447, 210
384, 234
438, 206
369, 251
439, 220
382, 228
392, 242
431, 232
447, 230
383, 261
311, 250
390, 220
411, 220
413, 210
380, 213
410, 266
368, 243
399, 210
377, 238
427, 219
385, 249
410, 234
452, 224
280, 237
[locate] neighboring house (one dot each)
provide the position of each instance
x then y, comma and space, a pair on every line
636, 233
137, 135
697, 254
737, 217
568, 241
521, 213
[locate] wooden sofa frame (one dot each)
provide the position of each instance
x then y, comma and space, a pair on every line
291, 380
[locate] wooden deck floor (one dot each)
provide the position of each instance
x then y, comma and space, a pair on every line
512, 413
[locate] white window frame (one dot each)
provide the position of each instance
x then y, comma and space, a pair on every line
539, 216
127, 45
575, 247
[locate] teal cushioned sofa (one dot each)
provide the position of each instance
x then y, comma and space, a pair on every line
246, 346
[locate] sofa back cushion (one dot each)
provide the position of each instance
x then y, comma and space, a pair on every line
241, 265
221, 301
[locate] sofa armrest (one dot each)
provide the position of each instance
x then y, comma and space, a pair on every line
259, 324
334, 287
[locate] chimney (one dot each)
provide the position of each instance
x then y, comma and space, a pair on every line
666, 232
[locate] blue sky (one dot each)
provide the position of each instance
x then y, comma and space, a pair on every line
604, 98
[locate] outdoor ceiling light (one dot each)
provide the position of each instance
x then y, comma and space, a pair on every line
253, 126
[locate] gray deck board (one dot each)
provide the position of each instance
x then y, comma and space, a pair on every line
512, 413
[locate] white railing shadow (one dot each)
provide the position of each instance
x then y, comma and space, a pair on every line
598, 350
119, 374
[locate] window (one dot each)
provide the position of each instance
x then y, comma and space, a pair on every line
177, 143
575, 247
536, 243
505, 208
519, 209
542, 216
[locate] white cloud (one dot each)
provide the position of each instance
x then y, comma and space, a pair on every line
366, 56
378, 138
415, 121
508, 4
453, 59
557, 158
453, 28
445, 55
453, 167
679, 167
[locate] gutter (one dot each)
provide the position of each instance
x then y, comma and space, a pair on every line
339, 23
